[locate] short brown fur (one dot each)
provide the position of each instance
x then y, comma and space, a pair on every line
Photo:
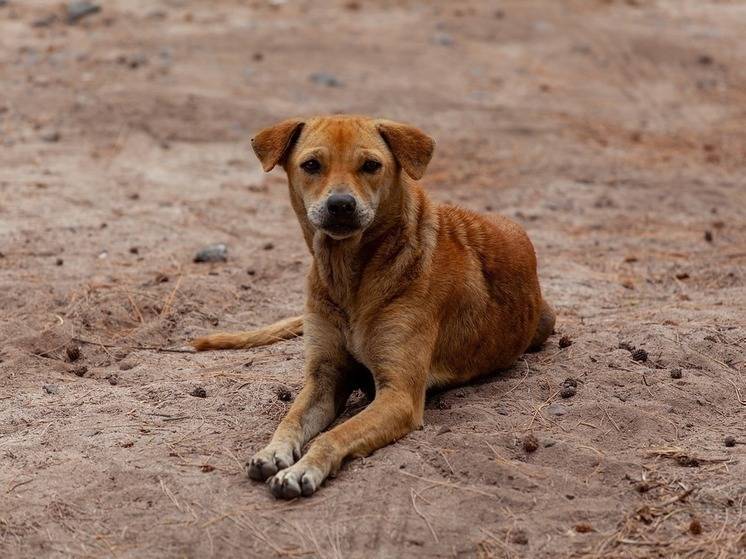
425, 295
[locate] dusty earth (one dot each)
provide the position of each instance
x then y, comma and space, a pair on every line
614, 131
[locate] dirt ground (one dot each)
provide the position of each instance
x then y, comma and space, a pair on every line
614, 131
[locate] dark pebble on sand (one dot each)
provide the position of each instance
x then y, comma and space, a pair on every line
568, 391
198, 392
640, 355
564, 342
73, 352
676, 373
730, 440
78, 10
284, 394
212, 253
530, 443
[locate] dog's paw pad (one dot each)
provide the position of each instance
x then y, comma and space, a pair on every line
268, 462
296, 481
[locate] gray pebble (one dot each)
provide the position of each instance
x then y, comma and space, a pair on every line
51, 388
676, 373
323, 78
212, 253
78, 10
557, 409
443, 39
51, 136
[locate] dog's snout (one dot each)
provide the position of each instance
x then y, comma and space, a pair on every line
341, 205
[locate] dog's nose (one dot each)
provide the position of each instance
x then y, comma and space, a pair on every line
341, 205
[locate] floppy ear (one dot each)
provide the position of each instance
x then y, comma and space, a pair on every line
272, 144
411, 147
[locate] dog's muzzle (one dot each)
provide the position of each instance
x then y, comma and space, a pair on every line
340, 215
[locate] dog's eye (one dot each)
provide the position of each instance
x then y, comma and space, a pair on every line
370, 166
312, 166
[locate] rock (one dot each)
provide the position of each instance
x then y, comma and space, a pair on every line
113, 379
443, 39
564, 342
443, 430
268, 246
44, 21
212, 253
326, 79
127, 365
530, 443
640, 355
676, 373
557, 409
51, 136
59, 262
730, 440
198, 392
80, 371
51, 388
568, 391
78, 10
284, 394
73, 353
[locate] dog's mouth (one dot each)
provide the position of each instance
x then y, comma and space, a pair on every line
340, 230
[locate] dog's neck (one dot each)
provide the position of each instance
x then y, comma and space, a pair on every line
392, 240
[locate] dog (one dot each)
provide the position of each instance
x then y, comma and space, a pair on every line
403, 294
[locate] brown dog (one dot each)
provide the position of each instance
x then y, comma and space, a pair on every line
403, 294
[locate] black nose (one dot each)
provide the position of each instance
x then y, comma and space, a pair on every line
341, 205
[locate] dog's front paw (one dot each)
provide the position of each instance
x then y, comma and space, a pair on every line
298, 480
270, 460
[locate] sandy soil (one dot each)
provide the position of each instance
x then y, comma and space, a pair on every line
612, 130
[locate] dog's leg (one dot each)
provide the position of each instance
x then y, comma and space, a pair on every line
397, 410
328, 384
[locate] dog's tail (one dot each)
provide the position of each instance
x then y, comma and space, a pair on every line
282, 330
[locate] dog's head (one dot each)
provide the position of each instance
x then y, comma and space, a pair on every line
342, 167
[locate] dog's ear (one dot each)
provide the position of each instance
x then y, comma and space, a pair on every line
272, 144
411, 147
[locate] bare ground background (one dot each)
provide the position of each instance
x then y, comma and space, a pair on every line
612, 130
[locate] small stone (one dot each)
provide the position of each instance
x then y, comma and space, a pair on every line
44, 21
443, 430
134, 250
569, 381
323, 78
695, 527
212, 253
80, 371
564, 342
583, 528
730, 440
113, 379
520, 537
51, 136
268, 246
59, 262
73, 352
676, 373
568, 391
530, 443
78, 10
198, 392
557, 409
443, 39
640, 355
708, 236
207, 468
127, 365
284, 394
51, 388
